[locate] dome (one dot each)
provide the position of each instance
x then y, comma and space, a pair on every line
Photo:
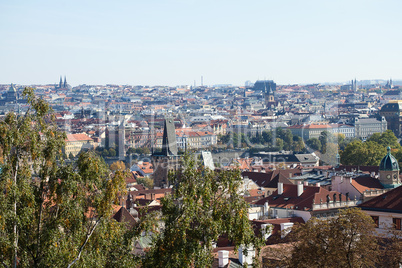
389, 162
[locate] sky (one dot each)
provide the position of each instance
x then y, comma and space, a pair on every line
175, 42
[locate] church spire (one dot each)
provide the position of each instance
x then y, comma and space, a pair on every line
65, 82
61, 82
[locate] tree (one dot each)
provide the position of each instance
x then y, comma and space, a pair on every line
146, 181
71, 156
347, 240
314, 144
385, 139
367, 153
117, 165
203, 206
53, 214
112, 152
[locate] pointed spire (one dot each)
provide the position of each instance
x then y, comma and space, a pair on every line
61, 82
65, 82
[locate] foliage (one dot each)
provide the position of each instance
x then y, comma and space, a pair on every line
314, 144
118, 165
367, 153
203, 206
268, 140
347, 240
52, 214
146, 181
141, 151
385, 139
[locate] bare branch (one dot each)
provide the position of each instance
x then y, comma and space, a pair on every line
85, 242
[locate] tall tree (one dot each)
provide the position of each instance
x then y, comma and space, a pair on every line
50, 213
203, 206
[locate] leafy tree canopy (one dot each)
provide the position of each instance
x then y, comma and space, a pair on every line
203, 206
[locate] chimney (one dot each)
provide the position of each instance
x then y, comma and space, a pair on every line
280, 187
317, 184
246, 258
223, 256
266, 230
305, 183
299, 189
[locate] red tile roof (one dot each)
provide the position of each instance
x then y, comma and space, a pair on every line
289, 199
78, 137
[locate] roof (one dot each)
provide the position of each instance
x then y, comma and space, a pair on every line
289, 199
390, 201
124, 216
270, 179
78, 137
389, 162
363, 183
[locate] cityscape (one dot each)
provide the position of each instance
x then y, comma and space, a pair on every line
200, 134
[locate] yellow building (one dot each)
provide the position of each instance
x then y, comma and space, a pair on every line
76, 142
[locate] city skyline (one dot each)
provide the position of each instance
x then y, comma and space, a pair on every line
176, 42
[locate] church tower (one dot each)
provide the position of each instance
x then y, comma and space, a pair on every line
168, 159
389, 171
65, 82
269, 97
61, 82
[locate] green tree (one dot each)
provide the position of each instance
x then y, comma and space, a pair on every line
52, 214
146, 181
71, 156
203, 206
314, 144
325, 138
112, 152
367, 153
348, 240
385, 139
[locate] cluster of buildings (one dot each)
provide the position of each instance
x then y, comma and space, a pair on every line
282, 188
133, 115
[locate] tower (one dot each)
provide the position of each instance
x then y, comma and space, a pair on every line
168, 159
389, 171
65, 82
61, 82
269, 97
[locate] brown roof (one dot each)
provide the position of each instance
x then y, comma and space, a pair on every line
289, 199
363, 183
124, 216
390, 201
270, 179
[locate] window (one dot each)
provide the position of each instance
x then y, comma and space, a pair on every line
397, 223
376, 221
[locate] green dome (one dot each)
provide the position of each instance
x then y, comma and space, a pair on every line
389, 162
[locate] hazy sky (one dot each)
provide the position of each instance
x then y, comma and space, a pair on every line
174, 42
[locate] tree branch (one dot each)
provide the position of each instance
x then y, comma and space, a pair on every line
5, 265
85, 242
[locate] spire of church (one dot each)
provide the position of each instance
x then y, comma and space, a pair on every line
61, 82
65, 82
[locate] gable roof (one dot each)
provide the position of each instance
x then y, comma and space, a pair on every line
124, 216
390, 201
